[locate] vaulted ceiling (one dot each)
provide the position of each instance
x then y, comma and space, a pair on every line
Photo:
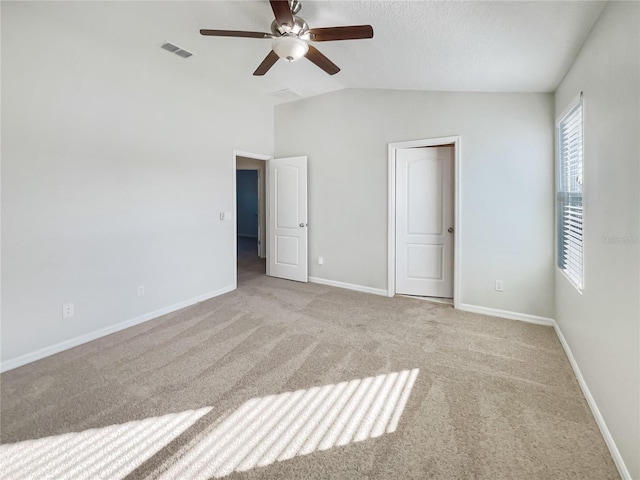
496, 46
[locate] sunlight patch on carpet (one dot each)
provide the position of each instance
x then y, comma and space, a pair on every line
260, 432
279, 427
100, 453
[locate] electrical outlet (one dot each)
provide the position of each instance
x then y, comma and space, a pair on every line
68, 309
141, 290
499, 286
320, 260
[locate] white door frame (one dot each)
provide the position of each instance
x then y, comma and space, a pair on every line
255, 156
391, 216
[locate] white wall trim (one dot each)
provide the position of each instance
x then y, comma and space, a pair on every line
523, 317
391, 212
608, 438
604, 430
234, 186
348, 286
494, 312
256, 156
87, 337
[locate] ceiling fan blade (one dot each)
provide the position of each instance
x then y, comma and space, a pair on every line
235, 33
320, 60
282, 11
266, 64
353, 32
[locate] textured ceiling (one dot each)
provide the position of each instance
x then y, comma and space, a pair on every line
498, 46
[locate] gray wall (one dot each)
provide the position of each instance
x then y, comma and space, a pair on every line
506, 189
116, 163
602, 325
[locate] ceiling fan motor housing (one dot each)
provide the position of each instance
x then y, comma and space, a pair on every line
300, 28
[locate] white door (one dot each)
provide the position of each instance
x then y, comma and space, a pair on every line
287, 218
424, 221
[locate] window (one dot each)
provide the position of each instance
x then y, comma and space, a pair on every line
569, 195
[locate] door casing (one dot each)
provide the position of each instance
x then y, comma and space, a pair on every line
266, 234
255, 156
391, 216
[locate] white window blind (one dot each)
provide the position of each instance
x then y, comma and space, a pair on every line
569, 195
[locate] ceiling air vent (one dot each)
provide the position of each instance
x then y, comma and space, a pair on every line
286, 94
181, 52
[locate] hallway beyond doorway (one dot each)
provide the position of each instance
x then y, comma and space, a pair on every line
249, 263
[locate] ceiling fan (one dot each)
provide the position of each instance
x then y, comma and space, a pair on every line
291, 36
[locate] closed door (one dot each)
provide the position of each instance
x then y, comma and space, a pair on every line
424, 221
287, 218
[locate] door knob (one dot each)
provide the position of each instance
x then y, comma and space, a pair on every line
450, 230
303, 224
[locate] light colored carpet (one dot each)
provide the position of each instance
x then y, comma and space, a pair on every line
242, 382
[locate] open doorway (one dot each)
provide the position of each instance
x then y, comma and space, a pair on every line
247, 207
281, 249
250, 215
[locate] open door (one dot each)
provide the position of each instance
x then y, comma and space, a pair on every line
287, 218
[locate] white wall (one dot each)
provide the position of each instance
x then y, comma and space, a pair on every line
115, 165
507, 185
602, 325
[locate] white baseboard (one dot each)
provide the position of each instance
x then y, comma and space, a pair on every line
59, 347
613, 449
523, 317
87, 337
348, 286
494, 312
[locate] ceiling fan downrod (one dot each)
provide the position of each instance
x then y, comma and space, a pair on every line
300, 27
295, 6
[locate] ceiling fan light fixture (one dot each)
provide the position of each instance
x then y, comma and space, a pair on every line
290, 48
